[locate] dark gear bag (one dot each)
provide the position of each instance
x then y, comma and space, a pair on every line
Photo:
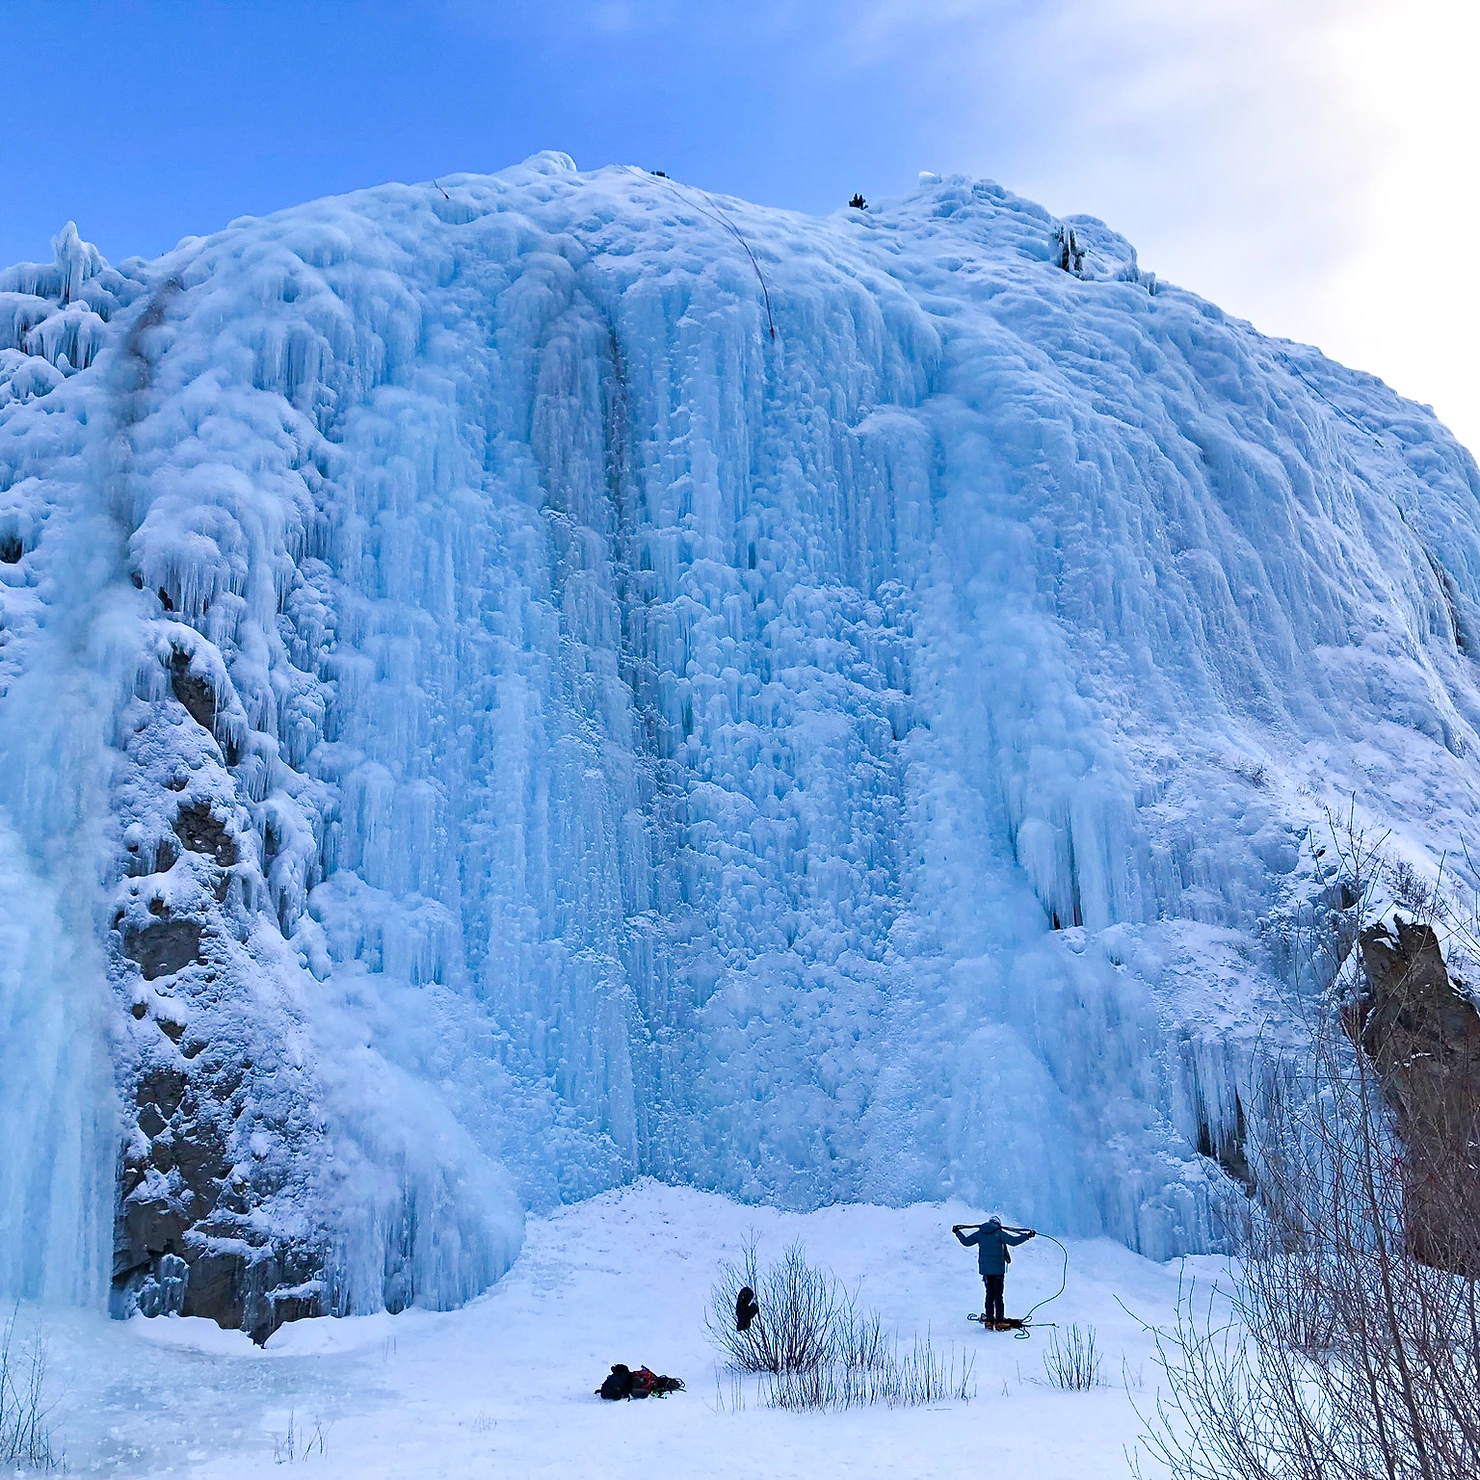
747, 1308
618, 1384
649, 1384
644, 1383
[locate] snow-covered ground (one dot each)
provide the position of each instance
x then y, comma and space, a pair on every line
505, 1385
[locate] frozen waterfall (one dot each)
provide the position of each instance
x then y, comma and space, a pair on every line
550, 730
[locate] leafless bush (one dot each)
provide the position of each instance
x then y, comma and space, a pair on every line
860, 1341
806, 1318
26, 1432
734, 1401
817, 1349
927, 1376
1072, 1361
1350, 1349
1410, 888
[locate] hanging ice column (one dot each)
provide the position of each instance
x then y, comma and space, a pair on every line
59, 1121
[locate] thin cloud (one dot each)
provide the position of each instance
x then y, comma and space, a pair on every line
1306, 165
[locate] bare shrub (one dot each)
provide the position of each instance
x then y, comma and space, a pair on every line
1072, 1361
859, 1339
734, 1401
1410, 888
929, 1376
805, 1317
817, 1349
27, 1436
1350, 1349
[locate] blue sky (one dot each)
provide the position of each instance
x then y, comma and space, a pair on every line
1302, 162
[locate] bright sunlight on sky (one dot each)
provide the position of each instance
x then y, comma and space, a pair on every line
1306, 164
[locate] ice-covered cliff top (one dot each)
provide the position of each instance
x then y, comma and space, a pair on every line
524, 679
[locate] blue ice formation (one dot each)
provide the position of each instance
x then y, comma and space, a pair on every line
527, 681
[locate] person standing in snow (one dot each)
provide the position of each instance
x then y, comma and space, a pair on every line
992, 1241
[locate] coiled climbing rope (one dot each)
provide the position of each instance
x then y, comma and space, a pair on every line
1027, 1327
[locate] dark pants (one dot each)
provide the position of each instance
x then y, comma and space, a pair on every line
994, 1282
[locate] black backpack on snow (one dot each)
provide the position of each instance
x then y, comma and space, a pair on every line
618, 1384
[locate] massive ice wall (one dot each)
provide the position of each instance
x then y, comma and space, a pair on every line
563, 699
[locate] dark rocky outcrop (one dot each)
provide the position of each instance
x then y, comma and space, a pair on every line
197, 695
1422, 1033
164, 1294
1229, 1148
164, 946
156, 1206
252, 1289
198, 828
184, 1242
192, 690
214, 1167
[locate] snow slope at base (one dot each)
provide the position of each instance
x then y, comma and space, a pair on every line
504, 1386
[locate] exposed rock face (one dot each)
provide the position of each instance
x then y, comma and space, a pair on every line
212, 1142
196, 693
164, 947
191, 689
201, 831
1230, 1148
1423, 1034
185, 1241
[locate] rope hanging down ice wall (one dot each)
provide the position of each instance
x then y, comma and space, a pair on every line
717, 215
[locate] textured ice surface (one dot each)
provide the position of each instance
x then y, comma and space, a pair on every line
852, 762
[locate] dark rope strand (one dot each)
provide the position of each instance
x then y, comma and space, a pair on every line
717, 215
1063, 1281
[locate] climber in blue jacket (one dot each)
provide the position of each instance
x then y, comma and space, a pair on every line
992, 1241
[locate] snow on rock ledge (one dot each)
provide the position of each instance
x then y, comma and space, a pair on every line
508, 722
